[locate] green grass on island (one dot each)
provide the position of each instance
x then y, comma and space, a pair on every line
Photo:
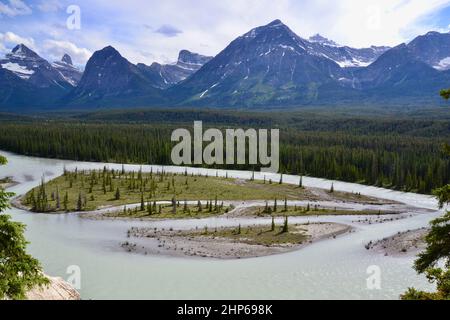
281, 209
96, 189
91, 190
258, 235
182, 211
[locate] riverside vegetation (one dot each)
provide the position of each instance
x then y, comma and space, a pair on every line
90, 190
437, 248
19, 272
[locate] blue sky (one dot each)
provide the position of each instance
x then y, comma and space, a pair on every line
155, 30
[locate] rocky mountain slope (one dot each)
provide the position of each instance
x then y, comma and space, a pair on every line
269, 66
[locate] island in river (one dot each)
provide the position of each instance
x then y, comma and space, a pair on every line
118, 194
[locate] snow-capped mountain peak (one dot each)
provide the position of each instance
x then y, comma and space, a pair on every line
274, 25
191, 60
29, 66
167, 75
67, 59
432, 48
68, 70
276, 35
317, 38
21, 51
22, 61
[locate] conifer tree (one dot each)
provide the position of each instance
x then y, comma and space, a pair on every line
79, 202
58, 202
19, 272
285, 226
66, 202
142, 202
174, 205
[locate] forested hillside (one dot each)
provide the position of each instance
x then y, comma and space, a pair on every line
399, 154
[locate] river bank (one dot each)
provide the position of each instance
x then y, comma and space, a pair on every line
226, 243
408, 243
57, 289
333, 269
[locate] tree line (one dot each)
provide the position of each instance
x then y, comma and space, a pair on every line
398, 160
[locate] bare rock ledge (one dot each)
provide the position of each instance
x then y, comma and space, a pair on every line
58, 289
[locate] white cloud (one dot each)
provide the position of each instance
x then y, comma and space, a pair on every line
209, 26
362, 23
10, 39
50, 5
14, 8
358, 23
55, 49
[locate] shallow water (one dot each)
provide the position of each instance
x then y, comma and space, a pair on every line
334, 269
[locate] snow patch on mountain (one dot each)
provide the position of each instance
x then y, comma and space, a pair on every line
444, 64
353, 63
324, 41
19, 70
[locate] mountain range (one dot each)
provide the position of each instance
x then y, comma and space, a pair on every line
269, 66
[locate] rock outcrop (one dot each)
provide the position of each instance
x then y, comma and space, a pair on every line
58, 289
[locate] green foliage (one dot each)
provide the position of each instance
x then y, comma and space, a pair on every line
258, 235
445, 94
438, 245
438, 248
403, 154
19, 271
285, 228
434, 275
4, 196
87, 184
443, 195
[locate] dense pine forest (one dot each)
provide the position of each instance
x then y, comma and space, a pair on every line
403, 153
